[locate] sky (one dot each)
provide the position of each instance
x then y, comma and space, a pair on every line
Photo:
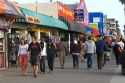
111, 8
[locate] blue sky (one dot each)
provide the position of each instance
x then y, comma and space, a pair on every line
112, 8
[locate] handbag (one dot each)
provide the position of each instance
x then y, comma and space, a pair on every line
120, 49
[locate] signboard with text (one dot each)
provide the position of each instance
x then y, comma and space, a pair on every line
65, 11
79, 15
32, 19
82, 5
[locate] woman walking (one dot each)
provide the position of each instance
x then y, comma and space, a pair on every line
23, 56
51, 52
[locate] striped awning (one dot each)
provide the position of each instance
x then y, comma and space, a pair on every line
11, 9
41, 19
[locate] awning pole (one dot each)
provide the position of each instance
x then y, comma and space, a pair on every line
69, 42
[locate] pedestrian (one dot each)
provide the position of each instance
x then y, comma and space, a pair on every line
75, 51
51, 52
101, 47
34, 49
118, 49
62, 52
90, 49
23, 56
82, 52
43, 55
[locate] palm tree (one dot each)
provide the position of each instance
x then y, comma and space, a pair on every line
122, 1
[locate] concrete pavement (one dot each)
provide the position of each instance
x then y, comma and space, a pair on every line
110, 74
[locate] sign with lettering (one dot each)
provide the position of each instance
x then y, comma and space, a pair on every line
32, 19
82, 5
65, 11
79, 15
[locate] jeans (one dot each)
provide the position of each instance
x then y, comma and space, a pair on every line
75, 60
89, 60
42, 64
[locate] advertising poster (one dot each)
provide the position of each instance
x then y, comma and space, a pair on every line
82, 5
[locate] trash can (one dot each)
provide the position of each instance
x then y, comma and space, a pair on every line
123, 64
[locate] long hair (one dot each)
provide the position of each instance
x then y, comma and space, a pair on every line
23, 40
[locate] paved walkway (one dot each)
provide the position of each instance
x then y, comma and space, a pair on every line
118, 77
110, 74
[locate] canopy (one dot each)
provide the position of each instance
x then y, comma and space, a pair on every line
88, 29
10, 9
73, 26
41, 19
95, 32
94, 25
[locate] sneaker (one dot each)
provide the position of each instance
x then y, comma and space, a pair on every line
44, 72
35, 75
51, 72
90, 69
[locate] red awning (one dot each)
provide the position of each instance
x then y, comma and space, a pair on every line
95, 32
7, 7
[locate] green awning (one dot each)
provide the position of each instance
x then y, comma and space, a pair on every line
40, 19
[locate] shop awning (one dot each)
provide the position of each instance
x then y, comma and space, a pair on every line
10, 9
40, 19
88, 29
94, 25
95, 32
73, 26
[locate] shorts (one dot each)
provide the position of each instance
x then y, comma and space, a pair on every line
34, 60
23, 59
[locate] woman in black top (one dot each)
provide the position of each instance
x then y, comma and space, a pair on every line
50, 55
34, 48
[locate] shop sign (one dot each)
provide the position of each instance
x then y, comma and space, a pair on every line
32, 19
79, 15
65, 11
82, 5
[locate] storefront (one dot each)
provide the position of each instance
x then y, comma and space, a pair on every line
5, 25
8, 12
41, 25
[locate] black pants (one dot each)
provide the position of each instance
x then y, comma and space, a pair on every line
75, 60
118, 58
50, 60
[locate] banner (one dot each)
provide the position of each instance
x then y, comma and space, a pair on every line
82, 5
65, 12
79, 15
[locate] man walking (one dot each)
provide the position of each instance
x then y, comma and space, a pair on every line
62, 52
34, 48
90, 49
101, 47
43, 55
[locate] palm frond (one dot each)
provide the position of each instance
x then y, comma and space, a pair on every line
122, 1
